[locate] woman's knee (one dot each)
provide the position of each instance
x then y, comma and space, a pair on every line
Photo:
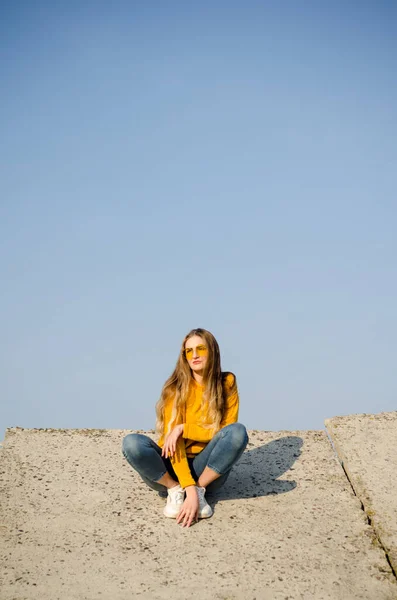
133, 445
238, 434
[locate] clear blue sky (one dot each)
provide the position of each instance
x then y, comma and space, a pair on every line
170, 165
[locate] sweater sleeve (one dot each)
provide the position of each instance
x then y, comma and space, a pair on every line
232, 403
179, 459
230, 415
181, 466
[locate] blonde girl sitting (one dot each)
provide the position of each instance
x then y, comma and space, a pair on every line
200, 439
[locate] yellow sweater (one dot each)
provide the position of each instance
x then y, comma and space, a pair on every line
195, 437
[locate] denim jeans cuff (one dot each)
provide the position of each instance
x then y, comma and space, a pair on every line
214, 469
157, 480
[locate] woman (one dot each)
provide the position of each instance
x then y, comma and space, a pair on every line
200, 439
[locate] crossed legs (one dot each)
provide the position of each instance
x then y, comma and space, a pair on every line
210, 468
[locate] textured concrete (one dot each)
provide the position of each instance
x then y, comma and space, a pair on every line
77, 523
367, 448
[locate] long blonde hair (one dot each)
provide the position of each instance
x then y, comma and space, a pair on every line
177, 385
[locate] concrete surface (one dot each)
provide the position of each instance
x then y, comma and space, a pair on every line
78, 524
367, 447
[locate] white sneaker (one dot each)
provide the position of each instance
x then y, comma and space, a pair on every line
175, 499
205, 510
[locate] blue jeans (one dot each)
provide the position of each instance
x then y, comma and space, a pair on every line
220, 454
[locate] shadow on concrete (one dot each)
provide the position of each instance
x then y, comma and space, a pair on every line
257, 471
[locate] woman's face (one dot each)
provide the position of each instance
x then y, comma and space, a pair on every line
196, 352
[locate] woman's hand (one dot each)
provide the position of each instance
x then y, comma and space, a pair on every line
190, 508
171, 440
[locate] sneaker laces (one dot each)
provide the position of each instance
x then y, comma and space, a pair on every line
201, 495
177, 495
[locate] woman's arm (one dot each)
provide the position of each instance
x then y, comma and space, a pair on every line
181, 466
178, 459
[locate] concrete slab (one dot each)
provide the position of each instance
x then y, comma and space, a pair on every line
77, 523
367, 447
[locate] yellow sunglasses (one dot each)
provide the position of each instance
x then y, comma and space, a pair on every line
200, 351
